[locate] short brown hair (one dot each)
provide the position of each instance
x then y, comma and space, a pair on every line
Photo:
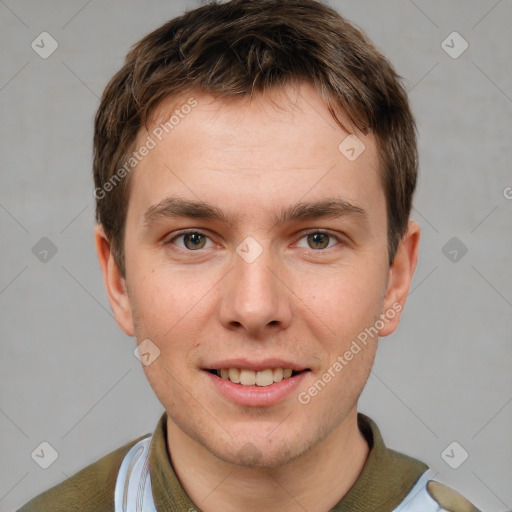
244, 47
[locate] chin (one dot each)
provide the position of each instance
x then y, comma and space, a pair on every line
250, 451
251, 455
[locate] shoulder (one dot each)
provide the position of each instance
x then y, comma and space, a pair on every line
448, 499
429, 495
91, 489
394, 481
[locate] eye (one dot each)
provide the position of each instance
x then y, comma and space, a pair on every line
192, 240
318, 240
196, 240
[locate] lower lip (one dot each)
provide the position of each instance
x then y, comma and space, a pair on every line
256, 396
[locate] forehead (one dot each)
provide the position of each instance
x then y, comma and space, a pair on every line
272, 148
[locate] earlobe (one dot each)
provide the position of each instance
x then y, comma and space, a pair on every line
400, 277
115, 283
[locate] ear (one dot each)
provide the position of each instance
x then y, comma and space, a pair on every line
400, 277
115, 283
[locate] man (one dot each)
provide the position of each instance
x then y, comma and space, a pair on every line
255, 163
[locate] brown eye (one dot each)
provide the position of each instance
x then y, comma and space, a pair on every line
318, 240
194, 241
190, 241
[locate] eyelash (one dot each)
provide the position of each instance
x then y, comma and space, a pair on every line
195, 231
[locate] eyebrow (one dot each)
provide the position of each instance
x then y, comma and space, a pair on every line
334, 207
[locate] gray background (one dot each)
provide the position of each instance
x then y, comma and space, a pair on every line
68, 373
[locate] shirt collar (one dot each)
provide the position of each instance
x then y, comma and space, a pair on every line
384, 482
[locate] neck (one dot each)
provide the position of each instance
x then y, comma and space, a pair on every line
317, 480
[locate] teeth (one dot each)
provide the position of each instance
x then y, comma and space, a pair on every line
234, 375
247, 377
251, 378
265, 378
278, 375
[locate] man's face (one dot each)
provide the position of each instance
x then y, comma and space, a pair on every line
246, 292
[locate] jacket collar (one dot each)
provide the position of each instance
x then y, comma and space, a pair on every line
384, 482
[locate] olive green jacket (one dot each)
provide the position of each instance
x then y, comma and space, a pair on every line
384, 482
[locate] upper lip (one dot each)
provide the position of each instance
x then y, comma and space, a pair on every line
245, 364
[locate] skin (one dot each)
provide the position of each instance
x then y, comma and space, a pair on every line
297, 301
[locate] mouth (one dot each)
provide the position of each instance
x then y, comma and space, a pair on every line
260, 378
256, 384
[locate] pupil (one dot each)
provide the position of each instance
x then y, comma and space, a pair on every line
317, 238
195, 238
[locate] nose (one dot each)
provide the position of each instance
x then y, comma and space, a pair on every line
255, 298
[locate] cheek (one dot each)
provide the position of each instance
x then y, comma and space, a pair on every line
349, 300
157, 295
171, 309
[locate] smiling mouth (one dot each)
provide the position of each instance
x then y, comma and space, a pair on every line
255, 378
